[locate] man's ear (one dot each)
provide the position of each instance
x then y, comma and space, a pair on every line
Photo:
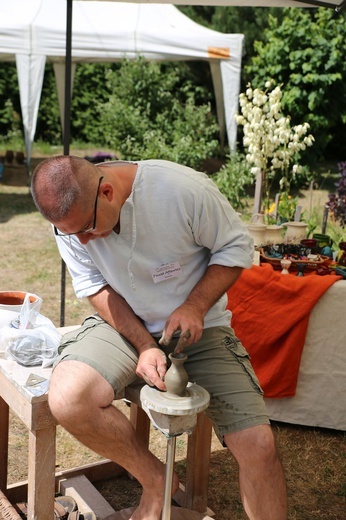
107, 190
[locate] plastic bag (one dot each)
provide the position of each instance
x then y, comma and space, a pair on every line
31, 339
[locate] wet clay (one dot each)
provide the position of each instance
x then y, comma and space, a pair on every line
176, 377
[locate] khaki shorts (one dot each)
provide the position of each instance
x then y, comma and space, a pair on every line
218, 362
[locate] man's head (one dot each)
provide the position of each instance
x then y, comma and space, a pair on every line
62, 183
79, 198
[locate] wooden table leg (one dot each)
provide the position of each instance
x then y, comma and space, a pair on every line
197, 465
41, 474
141, 423
4, 424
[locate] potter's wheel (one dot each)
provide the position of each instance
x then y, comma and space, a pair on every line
195, 400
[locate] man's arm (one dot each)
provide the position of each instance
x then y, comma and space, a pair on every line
116, 311
189, 317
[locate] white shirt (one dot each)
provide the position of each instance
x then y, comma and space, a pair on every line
174, 224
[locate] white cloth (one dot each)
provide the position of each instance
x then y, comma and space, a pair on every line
174, 221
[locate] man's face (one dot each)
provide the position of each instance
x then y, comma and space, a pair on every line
100, 223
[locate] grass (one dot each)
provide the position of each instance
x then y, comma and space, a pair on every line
314, 459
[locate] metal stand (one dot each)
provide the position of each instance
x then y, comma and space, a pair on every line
173, 417
170, 456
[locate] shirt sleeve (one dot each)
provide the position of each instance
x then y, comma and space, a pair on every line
86, 277
217, 226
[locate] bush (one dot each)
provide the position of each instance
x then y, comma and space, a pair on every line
233, 179
151, 113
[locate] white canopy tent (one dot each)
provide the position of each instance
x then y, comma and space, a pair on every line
33, 32
36, 31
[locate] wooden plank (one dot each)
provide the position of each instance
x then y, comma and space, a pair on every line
34, 414
4, 424
41, 473
102, 470
18, 375
86, 496
141, 423
197, 465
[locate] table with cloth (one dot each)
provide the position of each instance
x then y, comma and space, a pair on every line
295, 332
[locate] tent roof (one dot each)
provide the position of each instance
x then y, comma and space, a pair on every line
105, 31
31, 32
335, 4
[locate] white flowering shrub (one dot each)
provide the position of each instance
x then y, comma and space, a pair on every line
271, 143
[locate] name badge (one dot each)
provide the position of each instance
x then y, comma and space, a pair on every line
166, 271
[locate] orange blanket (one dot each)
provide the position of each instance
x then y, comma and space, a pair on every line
270, 316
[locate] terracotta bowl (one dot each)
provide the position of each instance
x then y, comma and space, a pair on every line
13, 300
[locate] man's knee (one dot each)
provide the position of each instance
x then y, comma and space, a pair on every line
253, 444
75, 389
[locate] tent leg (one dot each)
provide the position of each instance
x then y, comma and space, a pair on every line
66, 136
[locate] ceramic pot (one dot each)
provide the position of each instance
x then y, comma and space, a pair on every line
295, 232
176, 377
258, 232
322, 240
273, 234
285, 264
311, 243
13, 300
257, 218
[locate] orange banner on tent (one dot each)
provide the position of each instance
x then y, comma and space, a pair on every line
219, 52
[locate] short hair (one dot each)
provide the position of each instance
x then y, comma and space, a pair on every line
60, 183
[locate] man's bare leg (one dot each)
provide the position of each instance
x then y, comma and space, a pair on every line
80, 399
261, 476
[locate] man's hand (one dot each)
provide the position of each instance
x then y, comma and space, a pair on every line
152, 366
189, 321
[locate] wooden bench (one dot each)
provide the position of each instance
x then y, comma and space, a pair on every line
43, 482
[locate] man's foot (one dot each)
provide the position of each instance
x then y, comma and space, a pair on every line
151, 503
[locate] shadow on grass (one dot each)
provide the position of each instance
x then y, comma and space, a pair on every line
12, 204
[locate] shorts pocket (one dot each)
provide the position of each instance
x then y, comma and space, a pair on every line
75, 335
235, 347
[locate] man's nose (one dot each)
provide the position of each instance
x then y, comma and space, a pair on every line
84, 237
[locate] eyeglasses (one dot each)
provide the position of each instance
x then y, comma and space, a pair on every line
83, 231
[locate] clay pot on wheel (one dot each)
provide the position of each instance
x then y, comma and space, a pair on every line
176, 377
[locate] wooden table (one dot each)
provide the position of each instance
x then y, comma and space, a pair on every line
36, 416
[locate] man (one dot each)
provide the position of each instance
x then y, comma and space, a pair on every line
154, 246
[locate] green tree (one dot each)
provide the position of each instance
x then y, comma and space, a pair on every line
250, 21
10, 111
151, 113
307, 54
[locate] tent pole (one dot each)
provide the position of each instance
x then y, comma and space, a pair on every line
66, 134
